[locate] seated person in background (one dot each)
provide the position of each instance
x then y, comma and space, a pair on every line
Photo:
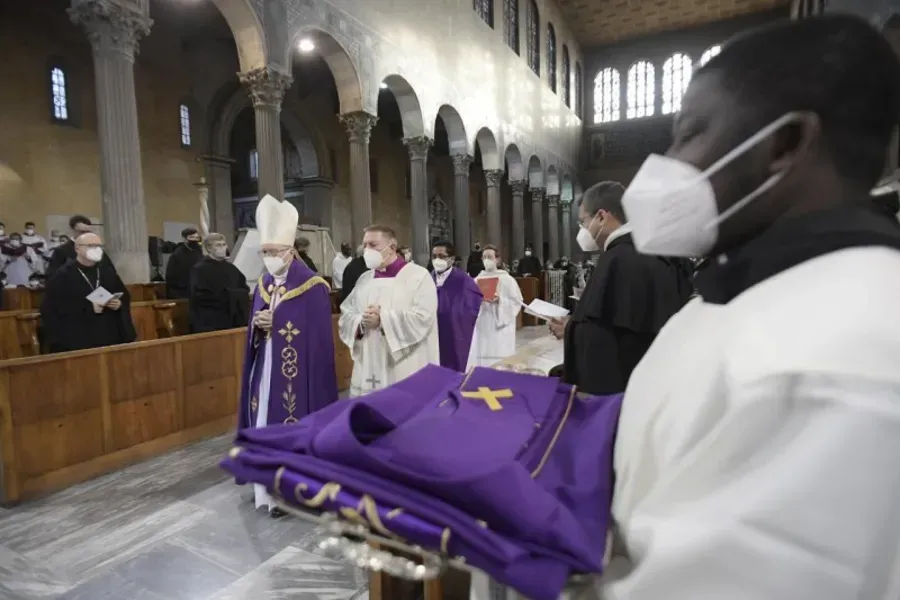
178, 269
301, 244
220, 297
72, 322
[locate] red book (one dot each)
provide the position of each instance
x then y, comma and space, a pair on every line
488, 287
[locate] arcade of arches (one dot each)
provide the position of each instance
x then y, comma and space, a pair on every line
121, 109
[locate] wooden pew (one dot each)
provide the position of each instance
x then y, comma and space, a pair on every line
26, 298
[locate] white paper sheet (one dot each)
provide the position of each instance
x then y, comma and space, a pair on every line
544, 310
102, 296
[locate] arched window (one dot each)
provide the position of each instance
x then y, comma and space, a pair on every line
579, 101
485, 10
533, 47
59, 94
566, 77
511, 16
676, 77
607, 96
254, 164
710, 52
640, 93
551, 56
184, 114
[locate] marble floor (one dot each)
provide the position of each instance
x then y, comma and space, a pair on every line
176, 528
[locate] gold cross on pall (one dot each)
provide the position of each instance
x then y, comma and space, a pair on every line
490, 397
289, 331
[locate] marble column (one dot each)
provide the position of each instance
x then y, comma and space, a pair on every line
267, 87
217, 170
493, 179
537, 223
359, 126
553, 227
566, 206
114, 32
518, 219
418, 190
461, 164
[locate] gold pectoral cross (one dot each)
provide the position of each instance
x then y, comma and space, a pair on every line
490, 397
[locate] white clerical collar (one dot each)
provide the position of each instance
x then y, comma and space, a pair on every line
440, 278
623, 230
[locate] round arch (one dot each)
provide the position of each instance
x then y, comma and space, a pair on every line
456, 130
552, 181
249, 34
490, 154
344, 71
535, 172
514, 163
408, 101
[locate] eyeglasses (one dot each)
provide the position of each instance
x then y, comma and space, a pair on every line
89, 246
273, 253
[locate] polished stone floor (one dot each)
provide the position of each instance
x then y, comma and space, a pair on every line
176, 528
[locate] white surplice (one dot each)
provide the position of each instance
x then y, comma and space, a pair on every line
495, 330
40, 253
757, 449
408, 337
19, 268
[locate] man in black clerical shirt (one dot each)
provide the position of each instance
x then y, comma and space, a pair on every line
220, 298
301, 245
529, 265
69, 320
624, 305
66, 250
183, 259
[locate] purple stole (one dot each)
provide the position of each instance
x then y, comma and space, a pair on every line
302, 379
459, 301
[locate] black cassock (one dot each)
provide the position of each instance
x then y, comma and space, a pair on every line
355, 268
178, 271
628, 299
68, 320
219, 298
530, 265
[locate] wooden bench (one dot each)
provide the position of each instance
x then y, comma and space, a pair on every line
25, 298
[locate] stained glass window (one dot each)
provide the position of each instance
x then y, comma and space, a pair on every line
551, 56
579, 98
710, 52
641, 90
607, 96
511, 16
185, 116
485, 10
533, 18
59, 94
566, 77
676, 77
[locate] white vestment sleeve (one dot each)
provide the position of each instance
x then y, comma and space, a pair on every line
510, 301
350, 320
410, 325
794, 494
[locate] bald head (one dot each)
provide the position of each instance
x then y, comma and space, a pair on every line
88, 248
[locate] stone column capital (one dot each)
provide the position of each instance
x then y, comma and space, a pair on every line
266, 86
111, 27
566, 205
518, 186
461, 164
537, 195
418, 147
359, 125
553, 201
493, 177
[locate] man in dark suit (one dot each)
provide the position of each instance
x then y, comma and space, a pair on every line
65, 252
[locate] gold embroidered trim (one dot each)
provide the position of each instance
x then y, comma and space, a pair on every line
309, 283
445, 540
276, 487
394, 513
329, 491
556, 434
482, 524
233, 453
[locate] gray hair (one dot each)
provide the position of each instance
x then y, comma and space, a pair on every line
210, 239
606, 195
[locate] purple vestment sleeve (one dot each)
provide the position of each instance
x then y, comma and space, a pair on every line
459, 301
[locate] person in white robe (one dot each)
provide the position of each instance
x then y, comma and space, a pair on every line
37, 243
495, 330
756, 453
389, 320
18, 261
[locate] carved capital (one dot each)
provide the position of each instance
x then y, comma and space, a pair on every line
266, 86
493, 177
359, 125
110, 27
518, 187
553, 201
461, 164
537, 195
418, 147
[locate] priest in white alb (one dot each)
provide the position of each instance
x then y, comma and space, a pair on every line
389, 321
495, 329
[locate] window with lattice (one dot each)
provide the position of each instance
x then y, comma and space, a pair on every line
676, 77
607, 96
640, 94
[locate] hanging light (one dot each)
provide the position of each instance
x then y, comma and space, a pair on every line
306, 45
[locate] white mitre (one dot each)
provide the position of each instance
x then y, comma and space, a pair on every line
276, 221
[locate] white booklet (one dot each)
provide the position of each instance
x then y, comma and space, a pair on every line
102, 296
544, 310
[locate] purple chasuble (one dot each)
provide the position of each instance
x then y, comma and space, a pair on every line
459, 301
303, 379
513, 472
391, 270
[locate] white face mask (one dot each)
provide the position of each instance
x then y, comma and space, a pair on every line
373, 258
407, 257
219, 252
528, 253
585, 239
15, 243
94, 254
274, 264
490, 264
29, 231
440, 264
671, 205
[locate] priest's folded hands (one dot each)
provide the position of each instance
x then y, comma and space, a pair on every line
263, 319
371, 317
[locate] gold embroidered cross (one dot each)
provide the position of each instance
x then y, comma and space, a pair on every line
490, 397
289, 331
